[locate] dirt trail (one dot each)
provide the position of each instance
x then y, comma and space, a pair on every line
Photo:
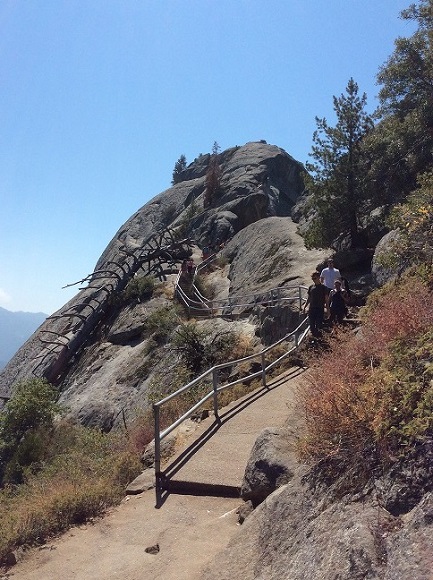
189, 529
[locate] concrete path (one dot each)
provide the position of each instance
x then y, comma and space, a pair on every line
189, 529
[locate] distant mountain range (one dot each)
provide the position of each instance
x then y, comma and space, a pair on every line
15, 329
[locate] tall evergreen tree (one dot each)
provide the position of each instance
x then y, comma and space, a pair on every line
179, 166
336, 175
401, 147
407, 75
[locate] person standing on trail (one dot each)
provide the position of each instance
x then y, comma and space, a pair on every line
317, 301
329, 275
190, 266
338, 299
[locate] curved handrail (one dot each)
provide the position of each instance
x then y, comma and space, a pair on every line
224, 306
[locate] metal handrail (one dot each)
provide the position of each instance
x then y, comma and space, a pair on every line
296, 335
274, 296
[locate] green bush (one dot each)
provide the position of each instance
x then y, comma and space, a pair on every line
33, 405
27, 418
139, 288
161, 323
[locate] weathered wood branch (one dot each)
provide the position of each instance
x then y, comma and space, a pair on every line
158, 249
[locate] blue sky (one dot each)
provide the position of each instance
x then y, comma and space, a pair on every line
99, 98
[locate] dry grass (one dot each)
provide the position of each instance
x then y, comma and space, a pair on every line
86, 473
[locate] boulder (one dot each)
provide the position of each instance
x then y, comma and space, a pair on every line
386, 265
167, 448
267, 254
276, 322
143, 482
269, 466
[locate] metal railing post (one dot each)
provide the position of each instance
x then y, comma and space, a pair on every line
300, 298
215, 391
157, 446
263, 370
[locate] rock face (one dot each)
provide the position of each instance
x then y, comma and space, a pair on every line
295, 533
258, 181
108, 361
96, 348
267, 254
301, 530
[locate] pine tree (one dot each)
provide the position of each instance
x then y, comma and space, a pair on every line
179, 166
336, 179
407, 75
401, 146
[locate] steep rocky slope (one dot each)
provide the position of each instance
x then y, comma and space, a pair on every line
98, 349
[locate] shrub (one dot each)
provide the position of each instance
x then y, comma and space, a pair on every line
84, 472
199, 349
24, 424
414, 219
33, 405
161, 323
139, 288
372, 394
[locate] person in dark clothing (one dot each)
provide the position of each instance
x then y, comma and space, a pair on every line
190, 266
317, 301
338, 299
184, 267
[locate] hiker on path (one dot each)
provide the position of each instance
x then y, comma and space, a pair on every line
329, 275
190, 266
317, 301
338, 299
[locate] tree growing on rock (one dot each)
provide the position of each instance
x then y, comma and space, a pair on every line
337, 173
179, 167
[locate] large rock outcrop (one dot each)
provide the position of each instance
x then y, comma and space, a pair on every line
95, 348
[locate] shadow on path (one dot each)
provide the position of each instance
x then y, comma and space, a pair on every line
167, 485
